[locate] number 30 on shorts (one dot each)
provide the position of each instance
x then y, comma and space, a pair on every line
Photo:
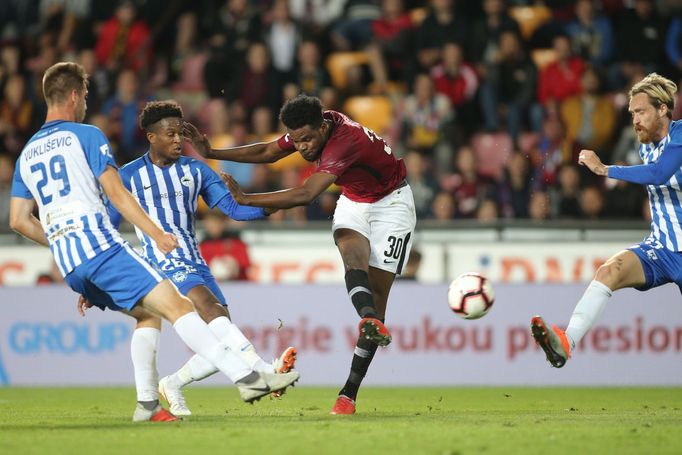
396, 246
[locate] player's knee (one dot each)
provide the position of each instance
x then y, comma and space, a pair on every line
209, 309
607, 274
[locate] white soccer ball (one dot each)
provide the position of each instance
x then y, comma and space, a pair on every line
471, 296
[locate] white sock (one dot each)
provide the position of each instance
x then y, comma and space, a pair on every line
143, 348
196, 369
229, 334
199, 338
587, 311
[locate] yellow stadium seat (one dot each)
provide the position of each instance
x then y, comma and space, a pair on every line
530, 18
339, 63
373, 112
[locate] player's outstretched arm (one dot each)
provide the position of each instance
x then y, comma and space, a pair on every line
126, 204
284, 199
655, 173
260, 152
22, 221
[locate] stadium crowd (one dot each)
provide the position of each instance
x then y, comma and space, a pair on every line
487, 101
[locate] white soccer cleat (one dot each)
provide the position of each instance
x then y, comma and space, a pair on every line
174, 398
265, 384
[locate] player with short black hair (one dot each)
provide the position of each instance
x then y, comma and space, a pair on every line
167, 185
374, 217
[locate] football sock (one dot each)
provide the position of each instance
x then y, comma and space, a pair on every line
362, 357
587, 311
360, 293
144, 345
149, 405
230, 335
196, 369
198, 337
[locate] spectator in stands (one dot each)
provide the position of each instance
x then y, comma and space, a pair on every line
18, 117
443, 24
353, 30
592, 203
514, 190
486, 31
124, 41
560, 79
311, 76
225, 253
188, 57
316, 16
233, 28
443, 207
552, 151
641, 33
390, 49
510, 84
538, 206
257, 84
623, 200
590, 118
422, 116
487, 211
123, 109
282, 37
63, 19
323, 207
591, 34
6, 174
467, 185
457, 80
424, 187
98, 81
565, 197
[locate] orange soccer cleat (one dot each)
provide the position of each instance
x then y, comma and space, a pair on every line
284, 364
553, 341
374, 330
343, 406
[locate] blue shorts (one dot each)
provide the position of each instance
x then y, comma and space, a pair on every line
187, 275
116, 278
660, 265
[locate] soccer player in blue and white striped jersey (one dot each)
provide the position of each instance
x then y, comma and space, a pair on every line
658, 259
68, 169
168, 185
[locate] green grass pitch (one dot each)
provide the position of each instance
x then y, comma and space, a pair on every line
503, 420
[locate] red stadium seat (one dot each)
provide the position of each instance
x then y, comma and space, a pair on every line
493, 151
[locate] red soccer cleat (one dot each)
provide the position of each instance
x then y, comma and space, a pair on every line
374, 330
284, 364
343, 406
553, 341
163, 416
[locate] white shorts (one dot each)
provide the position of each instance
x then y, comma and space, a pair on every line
388, 224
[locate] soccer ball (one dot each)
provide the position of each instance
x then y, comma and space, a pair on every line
471, 296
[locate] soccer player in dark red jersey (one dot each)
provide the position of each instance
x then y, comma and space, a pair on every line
374, 217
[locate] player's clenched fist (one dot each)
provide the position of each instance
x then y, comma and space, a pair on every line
167, 242
591, 160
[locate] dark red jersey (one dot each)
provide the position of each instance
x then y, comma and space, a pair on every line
363, 163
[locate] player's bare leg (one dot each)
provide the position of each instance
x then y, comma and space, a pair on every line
165, 301
623, 270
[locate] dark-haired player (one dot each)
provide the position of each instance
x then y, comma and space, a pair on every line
167, 185
68, 169
374, 217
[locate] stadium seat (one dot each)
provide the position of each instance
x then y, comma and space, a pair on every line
530, 18
543, 57
339, 63
374, 112
493, 151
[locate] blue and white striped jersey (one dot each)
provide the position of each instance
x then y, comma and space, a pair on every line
170, 195
665, 200
59, 167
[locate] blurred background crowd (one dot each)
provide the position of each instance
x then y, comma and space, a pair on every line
488, 101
